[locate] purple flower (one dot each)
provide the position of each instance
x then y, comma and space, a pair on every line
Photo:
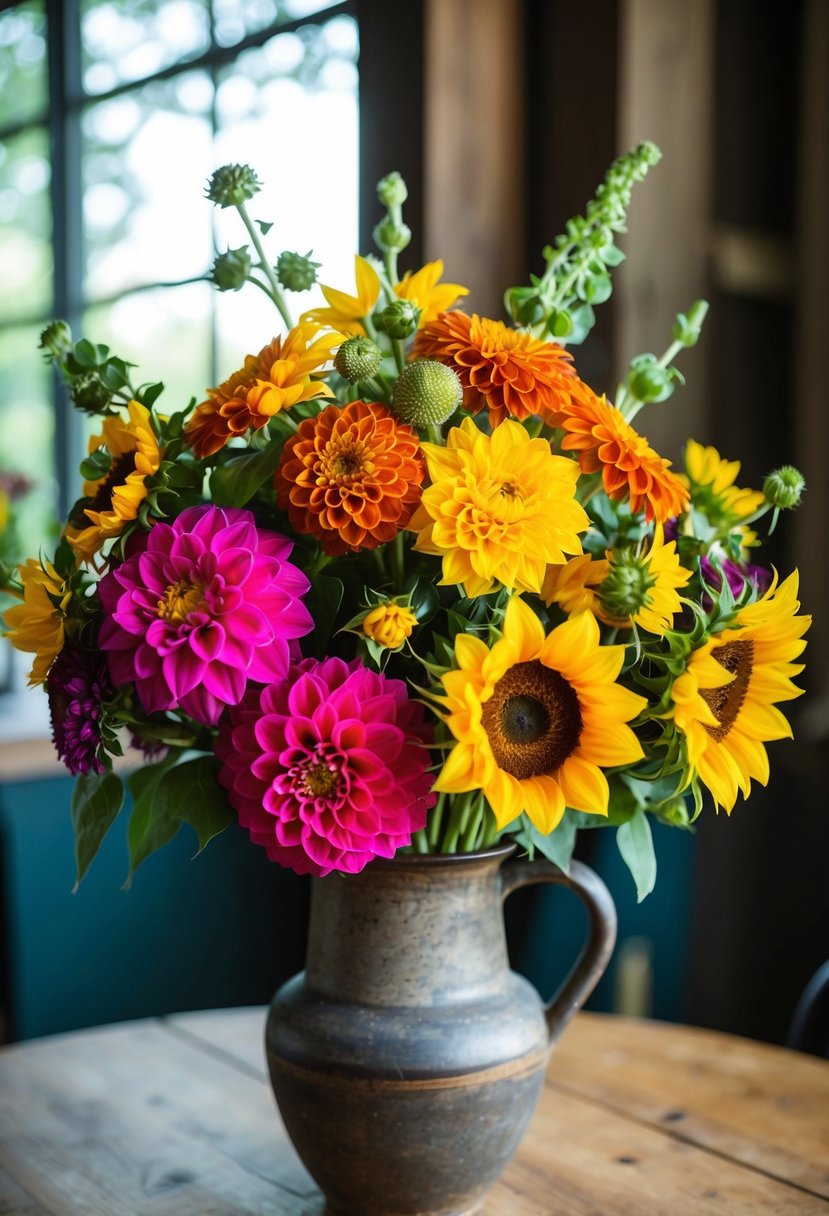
209, 603
737, 577
77, 685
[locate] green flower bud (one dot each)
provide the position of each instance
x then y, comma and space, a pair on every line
90, 394
231, 269
296, 271
392, 237
56, 339
399, 320
625, 590
232, 185
784, 487
647, 381
426, 393
358, 359
687, 329
647, 153
391, 190
674, 812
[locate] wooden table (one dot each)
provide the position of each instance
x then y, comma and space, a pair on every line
176, 1117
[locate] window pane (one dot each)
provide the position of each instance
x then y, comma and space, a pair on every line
127, 40
232, 20
147, 156
27, 433
23, 87
25, 226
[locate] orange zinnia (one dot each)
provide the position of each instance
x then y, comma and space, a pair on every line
351, 477
278, 377
606, 443
512, 373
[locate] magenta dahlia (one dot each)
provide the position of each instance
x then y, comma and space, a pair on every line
77, 685
328, 769
209, 603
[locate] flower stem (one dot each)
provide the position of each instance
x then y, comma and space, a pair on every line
398, 562
434, 823
420, 843
276, 290
469, 839
399, 353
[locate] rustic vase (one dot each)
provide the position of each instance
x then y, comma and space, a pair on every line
407, 1058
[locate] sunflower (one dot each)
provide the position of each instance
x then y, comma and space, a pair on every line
512, 374
37, 625
427, 293
537, 718
346, 313
574, 585
500, 509
641, 587
113, 500
606, 443
711, 482
281, 375
351, 477
724, 701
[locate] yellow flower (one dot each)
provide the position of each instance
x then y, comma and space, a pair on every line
573, 586
500, 509
537, 718
117, 496
641, 588
36, 626
345, 313
711, 481
389, 624
724, 701
430, 296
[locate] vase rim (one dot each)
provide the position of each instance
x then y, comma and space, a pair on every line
496, 853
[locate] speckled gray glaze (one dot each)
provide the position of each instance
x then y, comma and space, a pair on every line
407, 1058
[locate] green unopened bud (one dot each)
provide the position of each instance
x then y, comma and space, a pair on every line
391, 237
626, 588
687, 328
296, 271
231, 269
674, 812
647, 153
56, 339
90, 394
647, 381
358, 359
426, 393
391, 190
784, 487
399, 320
232, 185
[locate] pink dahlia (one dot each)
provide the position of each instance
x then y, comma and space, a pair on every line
209, 603
329, 768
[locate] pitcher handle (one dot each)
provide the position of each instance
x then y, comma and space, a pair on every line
595, 956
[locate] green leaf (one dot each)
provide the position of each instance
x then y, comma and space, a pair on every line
236, 481
148, 394
424, 599
612, 255
96, 801
323, 602
86, 354
148, 829
636, 846
264, 226
583, 319
558, 845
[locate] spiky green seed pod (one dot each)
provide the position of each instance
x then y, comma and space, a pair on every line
56, 339
625, 590
426, 393
391, 190
231, 269
358, 359
296, 271
90, 394
399, 319
232, 185
784, 487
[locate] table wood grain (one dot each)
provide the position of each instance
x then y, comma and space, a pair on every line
175, 1117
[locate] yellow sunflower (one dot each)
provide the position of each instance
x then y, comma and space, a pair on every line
724, 701
642, 586
117, 496
500, 508
711, 482
427, 293
537, 718
346, 313
574, 585
37, 625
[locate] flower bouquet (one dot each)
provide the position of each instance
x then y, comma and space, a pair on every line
404, 581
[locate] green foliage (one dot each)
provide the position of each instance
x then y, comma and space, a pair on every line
234, 483
96, 801
636, 846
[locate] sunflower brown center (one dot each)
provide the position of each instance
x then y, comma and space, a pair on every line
179, 600
725, 703
117, 475
532, 720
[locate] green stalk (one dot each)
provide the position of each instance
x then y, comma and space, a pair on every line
435, 822
278, 298
398, 562
420, 843
399, 353
458, 820
470, 833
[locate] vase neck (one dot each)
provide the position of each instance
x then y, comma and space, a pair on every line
410, 932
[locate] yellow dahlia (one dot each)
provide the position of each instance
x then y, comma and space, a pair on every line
641, 588
389, 624
574, 585
37, 625
281, 375
711, 482
537, 718
344, 312
116, 497
724, 703
511, 374
500, 508
427, 293
607, 444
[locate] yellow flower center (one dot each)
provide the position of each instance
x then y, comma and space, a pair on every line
320, 780
180, 599
725, 703
345, 460
532, 720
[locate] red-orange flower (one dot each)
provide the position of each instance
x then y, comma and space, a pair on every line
606, 443
281, 375
351, 477
513, 374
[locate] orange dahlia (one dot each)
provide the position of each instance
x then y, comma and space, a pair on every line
609, 445
513, 374
351, 477
280, 376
